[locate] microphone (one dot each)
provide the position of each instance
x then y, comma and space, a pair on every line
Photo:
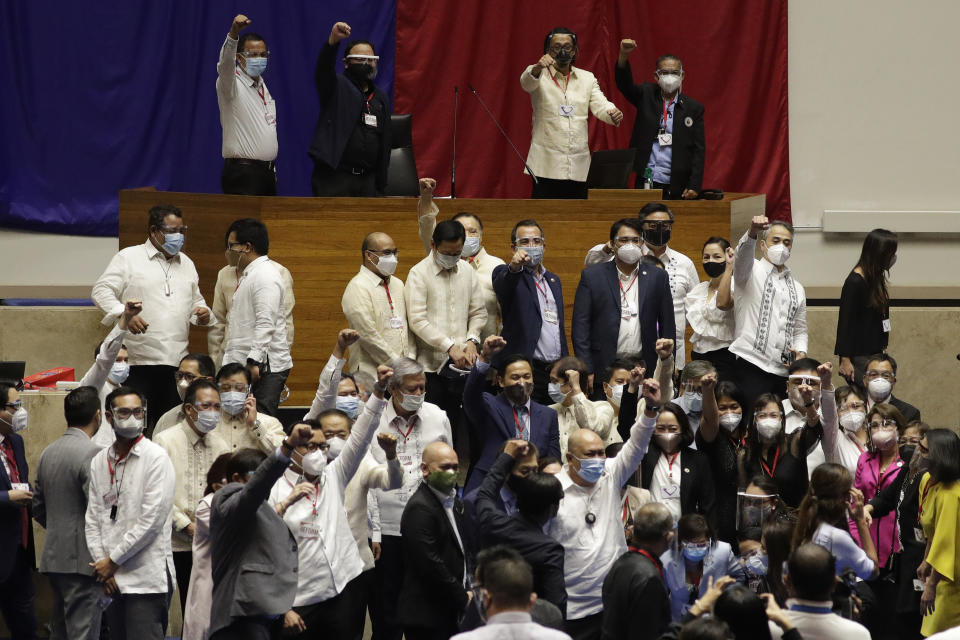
453, 162
503, 133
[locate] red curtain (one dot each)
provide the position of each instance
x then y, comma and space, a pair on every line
734, 54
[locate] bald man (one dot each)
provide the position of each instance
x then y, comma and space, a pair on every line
588, 524
434, 593
374, 307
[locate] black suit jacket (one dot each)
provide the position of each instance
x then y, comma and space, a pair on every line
596, 314
686, 171
543, 552
909, 412
11, 527
341, 108
432, 595
636, 604
697, 493
520, 310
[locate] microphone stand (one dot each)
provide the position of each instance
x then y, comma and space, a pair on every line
453, 162
504, 133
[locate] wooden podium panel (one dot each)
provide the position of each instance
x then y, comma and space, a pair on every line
318, 240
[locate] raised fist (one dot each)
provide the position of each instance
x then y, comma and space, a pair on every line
627, 46
339, 31
239, 23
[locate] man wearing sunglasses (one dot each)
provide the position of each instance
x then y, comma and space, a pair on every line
351, 145
248, 114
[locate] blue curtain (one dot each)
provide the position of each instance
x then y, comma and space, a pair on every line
108, 95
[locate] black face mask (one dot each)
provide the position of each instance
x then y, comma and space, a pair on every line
360, 73
563, 58
657, 237
907, 451
714, 269
519, 393
514, 482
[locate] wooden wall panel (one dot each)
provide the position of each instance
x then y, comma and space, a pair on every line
319, 240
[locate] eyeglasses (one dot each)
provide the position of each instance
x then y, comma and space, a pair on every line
798, 380
689, 387
180, 376
530, 241
206, 406
886, 375
853, 406
566, 49
884, 424
226, 387
179, 229
313, 446
255, 54
659, 225
910, 441
123, 413
362, 58
14, 405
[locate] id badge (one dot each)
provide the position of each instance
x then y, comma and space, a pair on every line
918, 534
309, 531
551, 317
917, 585
20, 486
405, 460
626, 313
565, 110
396, 323
271, 114
665, 139
886, 325
110, 498
370, 120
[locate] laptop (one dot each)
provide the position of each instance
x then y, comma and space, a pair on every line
611, 168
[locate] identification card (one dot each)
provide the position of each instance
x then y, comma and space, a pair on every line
566, 110
396, 323
405, 460
309, 531
370, 120
917, 585
271, 119
20, 486
665, 139
626, 313
918, 534
110, 498
886, 325
551, 316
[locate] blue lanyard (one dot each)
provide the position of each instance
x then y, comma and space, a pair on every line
805, 608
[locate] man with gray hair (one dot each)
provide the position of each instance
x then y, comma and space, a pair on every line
691, 398
770, 308
415, 424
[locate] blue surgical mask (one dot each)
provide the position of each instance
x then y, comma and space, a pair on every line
695, 552
471, 246
349, 405
172, 243
119, 372
535, 253
693, 401
591, 469
232, 401
756, 563
256, 67
556, 393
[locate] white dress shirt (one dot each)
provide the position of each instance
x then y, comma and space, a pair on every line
770, 309
512, 625
327, 551
142, 488
558, 149
445, 308
482, 262
665, 484
824, 625
380, 320
223, 292
248, 113
266, 434
142, 272
196, 611
169, 420
583, 413
591, 549
828, 420
682, 275
370, 476
844, 449
258, 318
713, 328
191, 455
326, 395
628, 338
428, 425
96, 377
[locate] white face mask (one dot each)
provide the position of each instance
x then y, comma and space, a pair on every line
879, 389
616, 394
129, 427
19, 420
386, 265
445, 261
314, 463
630, 253
410, 402
336, 447
768, 428
730, 421
884, 438
853, 421
778, 254
207, 421
182, 388
471, 246
119, 372
669, 82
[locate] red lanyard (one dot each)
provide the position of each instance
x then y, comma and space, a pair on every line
923, 498
8, 454
517, 420
111, 468
413, 422
776, 459
260, 91
666, 108
737, 445
386, 287
670, 462
542, 291
646, 553
567, 84
629, 286
369, 98
856, 442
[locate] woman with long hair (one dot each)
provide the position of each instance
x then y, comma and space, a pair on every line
939, 515
709, 308
863, 327
851, 440
822, 520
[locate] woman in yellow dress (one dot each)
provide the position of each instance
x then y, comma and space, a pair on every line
940, 521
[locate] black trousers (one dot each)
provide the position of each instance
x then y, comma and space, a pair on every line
156, 383
336, 617
447, 393
588, 628
541, 380
248, 178
336, 183
388, 575
722, 360
248, 628
559, 189
754, 381
16, 595
267, 391
183, 563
